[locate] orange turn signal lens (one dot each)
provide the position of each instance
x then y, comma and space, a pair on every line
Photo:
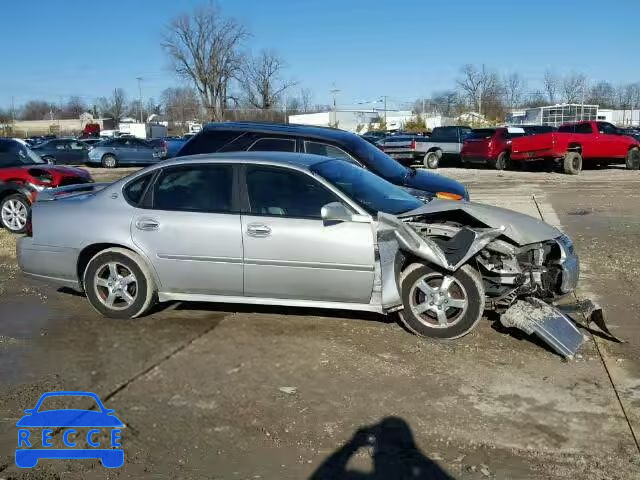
448, 196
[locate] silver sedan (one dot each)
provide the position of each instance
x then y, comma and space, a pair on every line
291, 229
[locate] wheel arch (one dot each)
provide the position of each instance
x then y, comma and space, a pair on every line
575, 147
435, 149
90, 251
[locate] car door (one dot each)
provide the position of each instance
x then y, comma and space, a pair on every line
77, 152
321, 148
191, 230
613, 145
290, 252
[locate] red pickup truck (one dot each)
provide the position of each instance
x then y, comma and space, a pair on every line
595, 142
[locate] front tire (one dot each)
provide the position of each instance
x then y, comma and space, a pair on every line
14, 210
431, 160
632, 161
440, 304
572, 163
118, 284
109, 161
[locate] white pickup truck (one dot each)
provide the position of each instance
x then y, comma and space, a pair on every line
443, 142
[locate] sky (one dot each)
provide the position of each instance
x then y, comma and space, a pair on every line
366, 49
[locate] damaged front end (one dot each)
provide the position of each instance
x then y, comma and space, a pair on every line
525, 270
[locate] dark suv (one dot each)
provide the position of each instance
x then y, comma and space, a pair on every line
330, 142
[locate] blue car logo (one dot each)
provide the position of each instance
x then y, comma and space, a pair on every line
59, 422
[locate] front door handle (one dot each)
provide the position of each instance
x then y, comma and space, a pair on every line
147, 224
258, 230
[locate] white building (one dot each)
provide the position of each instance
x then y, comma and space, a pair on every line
558, 114
356, 121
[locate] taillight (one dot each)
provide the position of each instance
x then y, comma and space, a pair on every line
29, 225
413, 144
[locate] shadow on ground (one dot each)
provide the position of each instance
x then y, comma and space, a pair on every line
393, 451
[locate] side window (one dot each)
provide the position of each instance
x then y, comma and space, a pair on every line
60, 145
274, 145
76, 146
208, 142
194, 188
285, 193
566, 128
318, 148
607, 128
134, 191
583, 128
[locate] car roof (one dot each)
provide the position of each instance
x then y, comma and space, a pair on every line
279, 128
300, 160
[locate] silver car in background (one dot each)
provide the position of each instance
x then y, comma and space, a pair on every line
300, 230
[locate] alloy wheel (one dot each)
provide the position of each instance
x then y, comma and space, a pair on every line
439, 301
115, 286
14, 214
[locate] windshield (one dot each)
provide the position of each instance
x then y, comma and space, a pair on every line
375, 159
371, 192
14, 154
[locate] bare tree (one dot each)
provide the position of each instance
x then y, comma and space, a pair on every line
262, 81
204, 47
551, 85
113, 106
306, 97
574, 88
445, 102
181, 104
480, 85
514, 86
535, 99
74, 107
602, 94
37, 110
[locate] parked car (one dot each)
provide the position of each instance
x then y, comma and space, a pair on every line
490, 146
405, 148
169, 146
573, 143
63, 151
374, 136
114, 152
23, 174
297, 230
330, 142
444, 142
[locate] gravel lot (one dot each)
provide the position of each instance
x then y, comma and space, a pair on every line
231, 392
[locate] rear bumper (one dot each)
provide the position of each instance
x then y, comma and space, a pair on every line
53, 265
474, 159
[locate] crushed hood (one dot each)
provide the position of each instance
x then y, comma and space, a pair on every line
520, 228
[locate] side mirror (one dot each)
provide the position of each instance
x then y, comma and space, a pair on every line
49, 161
337, 212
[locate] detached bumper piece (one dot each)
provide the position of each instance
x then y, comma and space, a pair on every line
532, 315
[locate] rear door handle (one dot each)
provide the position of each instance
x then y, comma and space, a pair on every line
147, 224
258, 230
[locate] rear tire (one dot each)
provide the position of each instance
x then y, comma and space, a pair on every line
500, 163
461, 304
14, 211
431, 160
572, 163
632, 161
118, 284
109, 161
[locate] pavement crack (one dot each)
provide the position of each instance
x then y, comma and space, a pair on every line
171, 354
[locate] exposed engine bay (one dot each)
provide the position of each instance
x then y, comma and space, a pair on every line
524, 264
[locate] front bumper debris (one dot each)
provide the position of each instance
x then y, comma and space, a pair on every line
533, 315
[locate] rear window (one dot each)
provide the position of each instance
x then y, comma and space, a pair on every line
566, 128
207, 142
481, 133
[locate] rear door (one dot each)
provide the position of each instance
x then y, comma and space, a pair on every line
290, 252
190, 230
77, 152
588, 140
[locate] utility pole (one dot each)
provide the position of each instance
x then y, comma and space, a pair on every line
334, 92
140, 97
385, 109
